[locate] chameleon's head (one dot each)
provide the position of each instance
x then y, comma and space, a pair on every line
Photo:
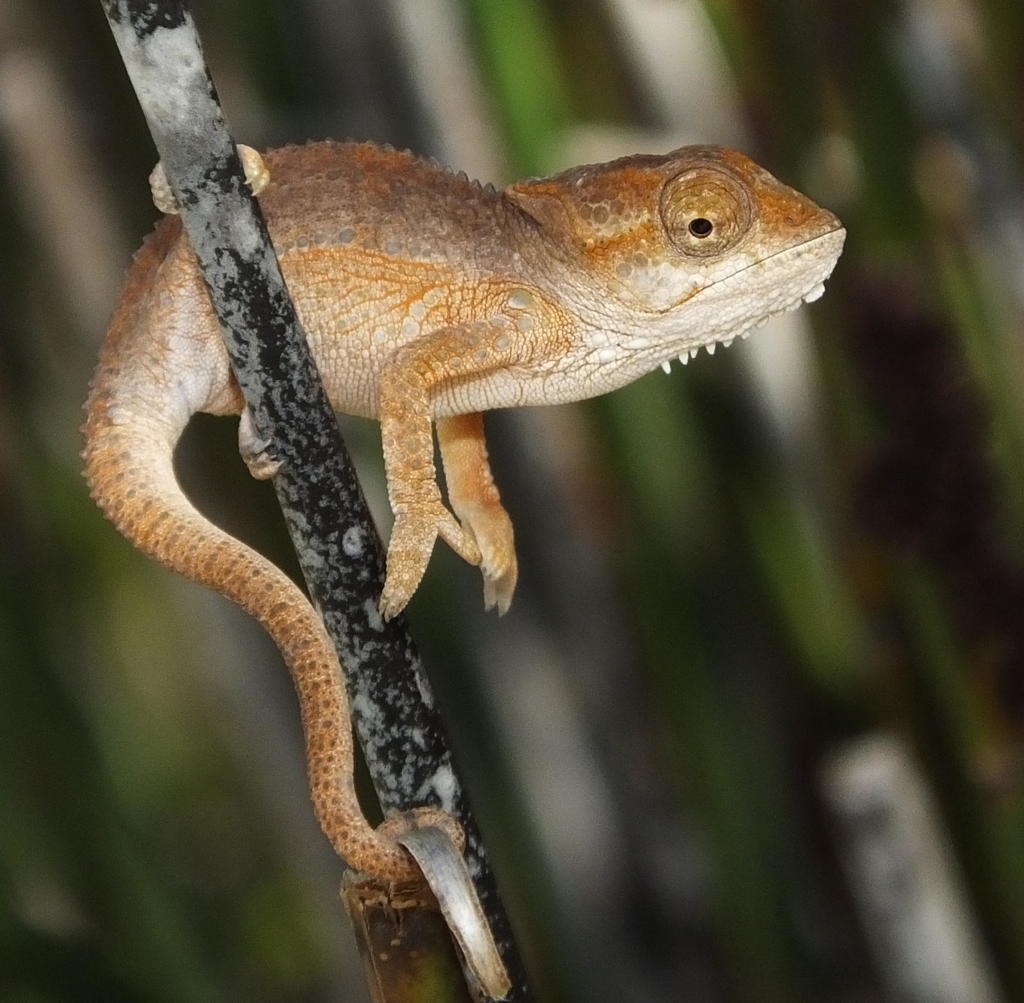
701, 242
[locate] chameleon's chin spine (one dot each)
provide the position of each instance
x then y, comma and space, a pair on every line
131, 429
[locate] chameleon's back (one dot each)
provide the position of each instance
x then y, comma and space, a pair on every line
381, 248
391, 203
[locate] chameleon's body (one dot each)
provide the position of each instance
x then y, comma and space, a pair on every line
428, 299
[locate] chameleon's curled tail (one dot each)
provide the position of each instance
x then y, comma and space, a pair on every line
132, 425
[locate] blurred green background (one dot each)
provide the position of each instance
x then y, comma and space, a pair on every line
752, 730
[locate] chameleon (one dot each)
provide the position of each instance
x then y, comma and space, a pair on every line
428, 299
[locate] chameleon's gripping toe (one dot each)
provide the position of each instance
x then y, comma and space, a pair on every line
474, 498
491, 528
417, 526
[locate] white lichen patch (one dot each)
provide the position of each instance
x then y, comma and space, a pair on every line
373, 617
353, 542
442, 784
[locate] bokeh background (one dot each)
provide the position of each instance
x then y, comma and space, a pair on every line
752, 730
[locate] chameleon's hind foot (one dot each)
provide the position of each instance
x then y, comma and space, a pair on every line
256, 174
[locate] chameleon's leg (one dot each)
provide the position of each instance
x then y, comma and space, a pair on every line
408, 385
256, 174
474, 497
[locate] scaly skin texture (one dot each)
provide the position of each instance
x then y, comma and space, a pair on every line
428, 299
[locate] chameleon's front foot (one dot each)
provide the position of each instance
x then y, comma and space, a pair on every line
417, 526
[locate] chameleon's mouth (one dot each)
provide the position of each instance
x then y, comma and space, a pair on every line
825, 246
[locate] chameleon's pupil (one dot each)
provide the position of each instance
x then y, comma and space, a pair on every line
701, 227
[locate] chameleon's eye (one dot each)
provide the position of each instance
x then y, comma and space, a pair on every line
706, 212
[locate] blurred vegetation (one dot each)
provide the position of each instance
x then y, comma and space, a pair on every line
729, 574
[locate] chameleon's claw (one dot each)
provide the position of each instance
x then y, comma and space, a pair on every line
498, 590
